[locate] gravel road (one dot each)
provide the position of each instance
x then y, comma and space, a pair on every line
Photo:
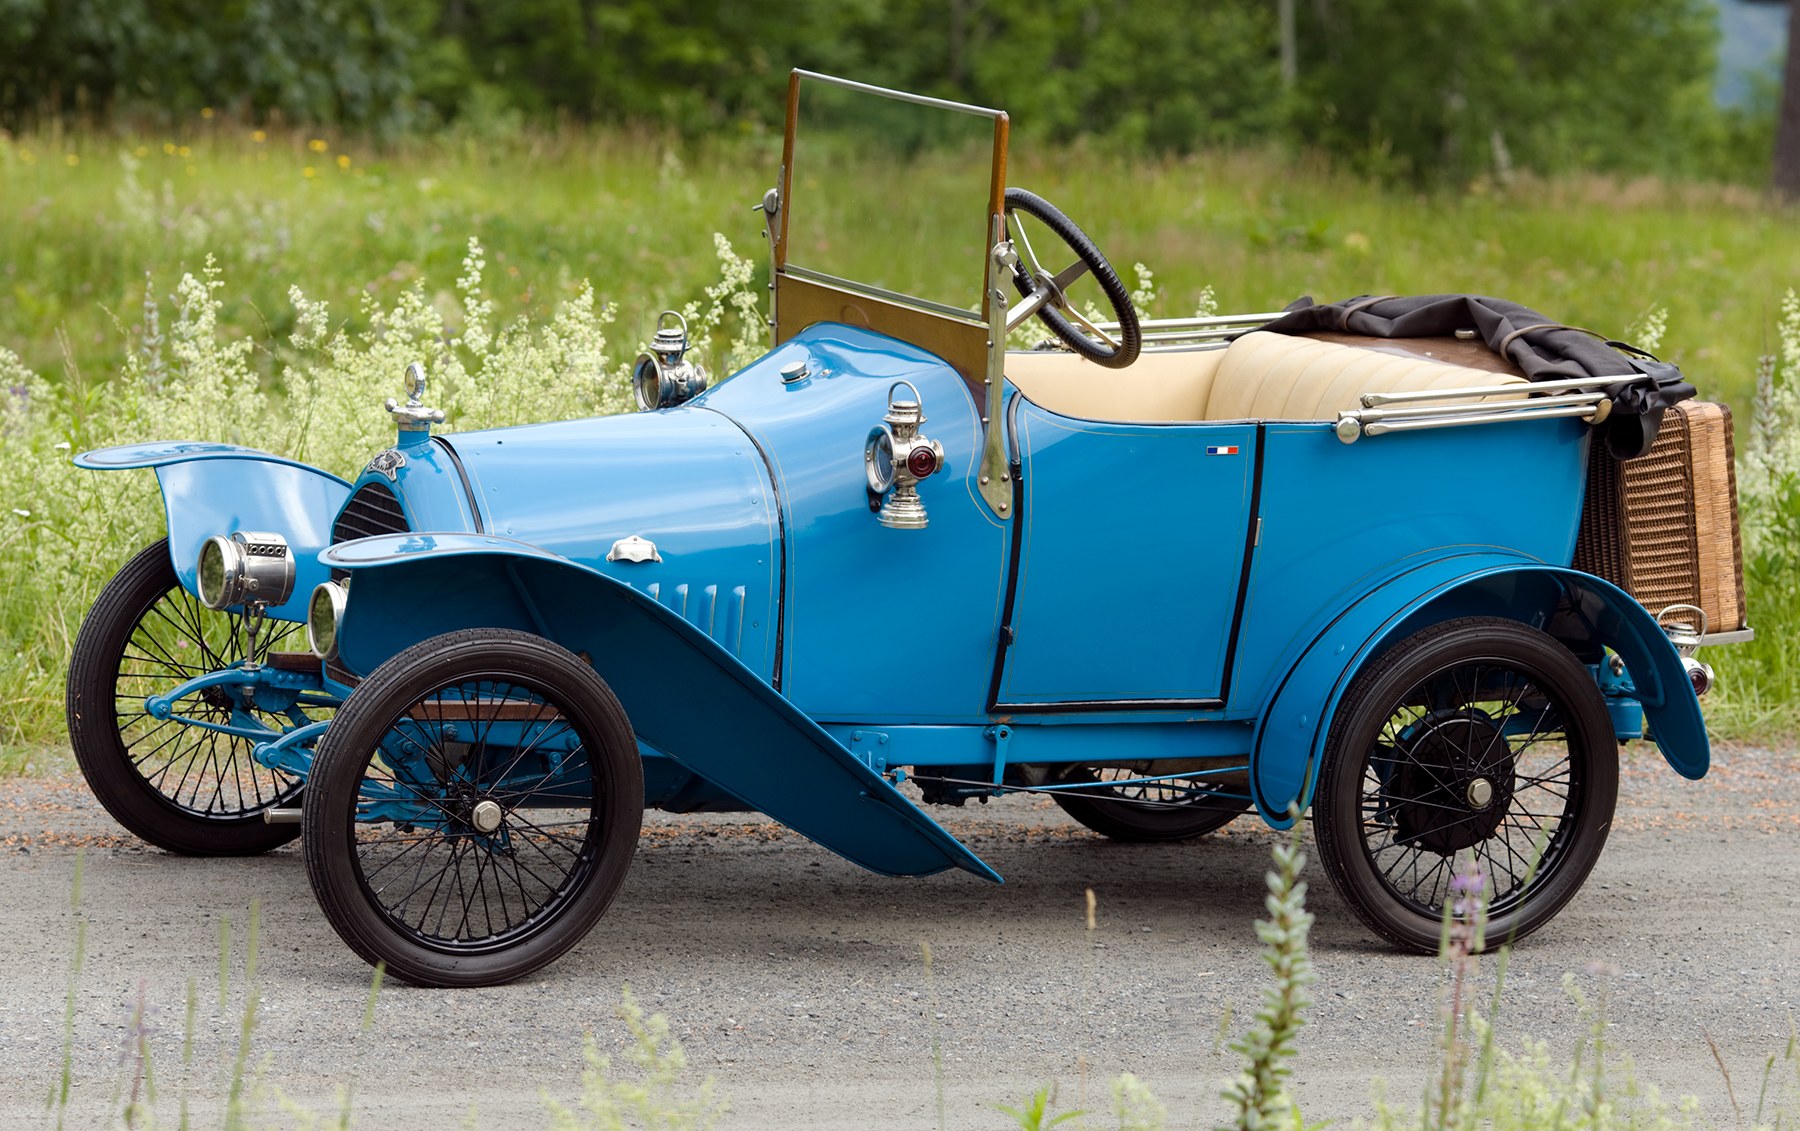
796, 980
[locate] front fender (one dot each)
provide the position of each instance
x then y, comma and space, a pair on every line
1584, 611
213, 489
684, 693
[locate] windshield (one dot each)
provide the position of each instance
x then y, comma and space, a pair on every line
892, 192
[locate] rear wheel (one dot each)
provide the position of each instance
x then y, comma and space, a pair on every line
1477, 739
180, 787
473, 809
1175, 809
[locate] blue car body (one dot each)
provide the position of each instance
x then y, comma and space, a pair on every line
1104, 621
890, 563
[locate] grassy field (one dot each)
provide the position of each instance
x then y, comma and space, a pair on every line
87, 217
99, 231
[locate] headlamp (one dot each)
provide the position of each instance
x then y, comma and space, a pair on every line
249, 566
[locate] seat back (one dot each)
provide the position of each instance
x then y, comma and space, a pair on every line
1260, 376
1267, 376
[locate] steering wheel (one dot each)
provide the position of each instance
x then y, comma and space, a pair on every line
1045, 293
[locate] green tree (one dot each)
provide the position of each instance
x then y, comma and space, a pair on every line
1432, 89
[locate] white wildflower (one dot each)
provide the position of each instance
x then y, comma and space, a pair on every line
1207, 305
1143, 296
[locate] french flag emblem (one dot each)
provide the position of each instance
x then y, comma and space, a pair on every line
1221, 449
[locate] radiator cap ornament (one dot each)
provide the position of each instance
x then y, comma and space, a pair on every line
413, 418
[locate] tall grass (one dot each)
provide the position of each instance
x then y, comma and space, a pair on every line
187, 375
267, 289
1760, 682
633, 212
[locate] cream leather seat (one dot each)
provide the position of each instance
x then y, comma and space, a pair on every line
1260, 376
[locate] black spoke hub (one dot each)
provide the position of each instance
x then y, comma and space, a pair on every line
1451, 781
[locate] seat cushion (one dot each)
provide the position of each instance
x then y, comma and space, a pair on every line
1265, 376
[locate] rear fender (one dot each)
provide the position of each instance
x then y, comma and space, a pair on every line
685, 694
1584, 612
213, 489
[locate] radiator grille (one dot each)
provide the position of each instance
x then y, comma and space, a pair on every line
1664, 526
373, 509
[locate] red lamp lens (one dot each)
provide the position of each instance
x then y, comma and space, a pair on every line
921, 462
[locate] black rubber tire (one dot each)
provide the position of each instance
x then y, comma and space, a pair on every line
1384, 806
1131, 338
1138, 818
344, 856
182, 789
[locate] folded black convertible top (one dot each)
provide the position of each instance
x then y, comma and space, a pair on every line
1543, 350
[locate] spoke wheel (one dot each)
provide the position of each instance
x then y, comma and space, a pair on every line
1158, 811
473, 809
182, 788
1481, 739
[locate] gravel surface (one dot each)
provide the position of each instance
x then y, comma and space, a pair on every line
796, 980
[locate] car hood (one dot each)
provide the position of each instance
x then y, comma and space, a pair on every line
688, 482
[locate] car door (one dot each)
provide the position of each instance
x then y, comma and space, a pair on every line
1130, 549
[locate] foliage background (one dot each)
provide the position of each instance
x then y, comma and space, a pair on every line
1420, 89
1568, 155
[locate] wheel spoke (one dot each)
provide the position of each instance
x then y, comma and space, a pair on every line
498, 883
1064, 278
1482, 756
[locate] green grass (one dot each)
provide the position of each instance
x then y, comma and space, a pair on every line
635, 214
88, 218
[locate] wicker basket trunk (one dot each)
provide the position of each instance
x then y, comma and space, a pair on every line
1664, 526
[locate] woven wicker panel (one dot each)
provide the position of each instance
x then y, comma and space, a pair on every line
1600, 543
1716, 534
1663, 559
1664, 526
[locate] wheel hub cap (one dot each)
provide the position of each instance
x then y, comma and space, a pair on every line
1450, 787
486, 816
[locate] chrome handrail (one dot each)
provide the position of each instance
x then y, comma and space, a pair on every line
1356, 423
1579, 384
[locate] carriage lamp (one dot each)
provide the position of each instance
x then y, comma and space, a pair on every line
251, 567
323, 613
663, 376
896, 457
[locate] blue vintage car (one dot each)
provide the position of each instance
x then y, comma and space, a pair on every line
1167, 573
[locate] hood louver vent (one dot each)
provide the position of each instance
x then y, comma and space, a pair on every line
372, 510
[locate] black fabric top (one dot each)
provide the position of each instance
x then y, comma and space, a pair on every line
1544, 350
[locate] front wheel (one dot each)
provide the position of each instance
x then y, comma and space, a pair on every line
183, 788
1479, 739
473, 809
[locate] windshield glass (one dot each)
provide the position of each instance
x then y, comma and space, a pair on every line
892, 193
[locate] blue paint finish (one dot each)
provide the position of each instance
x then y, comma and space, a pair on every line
686, 479
158, 453
1338, 518
429, 490
1600, 614
213, 489
1292, 733
1077, 743
684, 693
893, 624
1130, 558
1139, 552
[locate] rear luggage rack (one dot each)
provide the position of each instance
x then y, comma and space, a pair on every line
1664, 527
